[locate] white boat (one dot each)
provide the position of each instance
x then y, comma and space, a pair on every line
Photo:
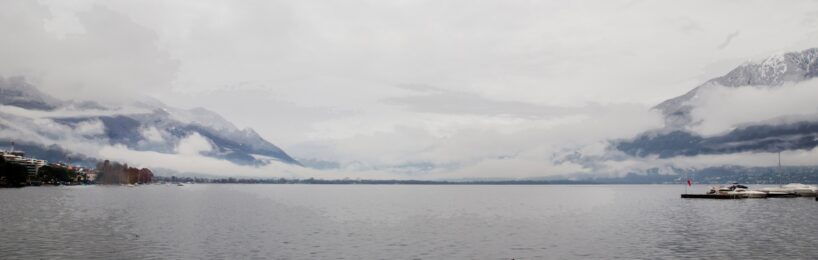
797, 189
778, 192
802, 190
752, 194
736, 189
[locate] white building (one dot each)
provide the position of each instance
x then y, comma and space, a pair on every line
32, 165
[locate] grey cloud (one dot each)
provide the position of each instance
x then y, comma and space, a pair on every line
687, 25
437, 100
112, 58
728, 40
810, 19
525, 80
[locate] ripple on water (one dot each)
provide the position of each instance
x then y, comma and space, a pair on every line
397, 221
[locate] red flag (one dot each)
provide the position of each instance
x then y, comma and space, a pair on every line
689, 183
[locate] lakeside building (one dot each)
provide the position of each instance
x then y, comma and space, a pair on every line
37, 172
91, 175
18, 157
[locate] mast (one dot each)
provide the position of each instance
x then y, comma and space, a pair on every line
780, 172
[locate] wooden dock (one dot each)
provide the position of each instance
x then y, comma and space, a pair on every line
713, 196
788, 195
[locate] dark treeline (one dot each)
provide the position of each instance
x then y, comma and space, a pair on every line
17, 175
50, 174
115, 173
713, 175
175, 179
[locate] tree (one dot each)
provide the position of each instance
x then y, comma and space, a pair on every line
132, 175
145, 175
56, 174
115, 173
12, 174
111, 173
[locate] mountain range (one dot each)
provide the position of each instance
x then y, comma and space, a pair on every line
676, 138
43, 125
39, 123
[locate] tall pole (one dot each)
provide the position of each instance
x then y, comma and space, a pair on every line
780, 172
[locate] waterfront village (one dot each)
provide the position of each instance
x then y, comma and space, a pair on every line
17, 170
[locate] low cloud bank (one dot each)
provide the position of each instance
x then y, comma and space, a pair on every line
88, 138
719, 109
397, 142
198, 164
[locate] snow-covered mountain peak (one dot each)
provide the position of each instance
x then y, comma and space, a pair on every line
773, 67
773, 71
204, 117
793, 131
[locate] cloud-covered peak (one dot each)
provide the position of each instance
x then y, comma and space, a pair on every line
139, 126
765, 106
773, 71
15, 91
96, 53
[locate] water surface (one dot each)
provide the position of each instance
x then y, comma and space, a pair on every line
398, 222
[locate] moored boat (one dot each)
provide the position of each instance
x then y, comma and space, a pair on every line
802, 190
797, 189
792, 189
736, 190
751, 194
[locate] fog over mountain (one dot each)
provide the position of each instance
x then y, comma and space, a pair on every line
38, 121
412, 90
774, 71
765, 106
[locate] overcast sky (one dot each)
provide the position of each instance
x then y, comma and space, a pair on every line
402, 83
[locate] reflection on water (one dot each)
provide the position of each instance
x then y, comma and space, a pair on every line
397, 221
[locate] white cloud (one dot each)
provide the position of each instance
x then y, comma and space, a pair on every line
457, 144
194, 144
199, 164
152, 134
69, 112
516, 85
719, 109
90, 128
746, 159
110, 57
513, 168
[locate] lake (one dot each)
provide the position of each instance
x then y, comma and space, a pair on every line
399, 222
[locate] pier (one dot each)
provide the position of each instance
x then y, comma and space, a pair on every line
713, 196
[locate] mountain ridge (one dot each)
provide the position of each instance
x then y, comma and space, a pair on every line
675, 139
146, 126
772, 71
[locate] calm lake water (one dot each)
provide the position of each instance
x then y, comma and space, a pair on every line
398, 222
